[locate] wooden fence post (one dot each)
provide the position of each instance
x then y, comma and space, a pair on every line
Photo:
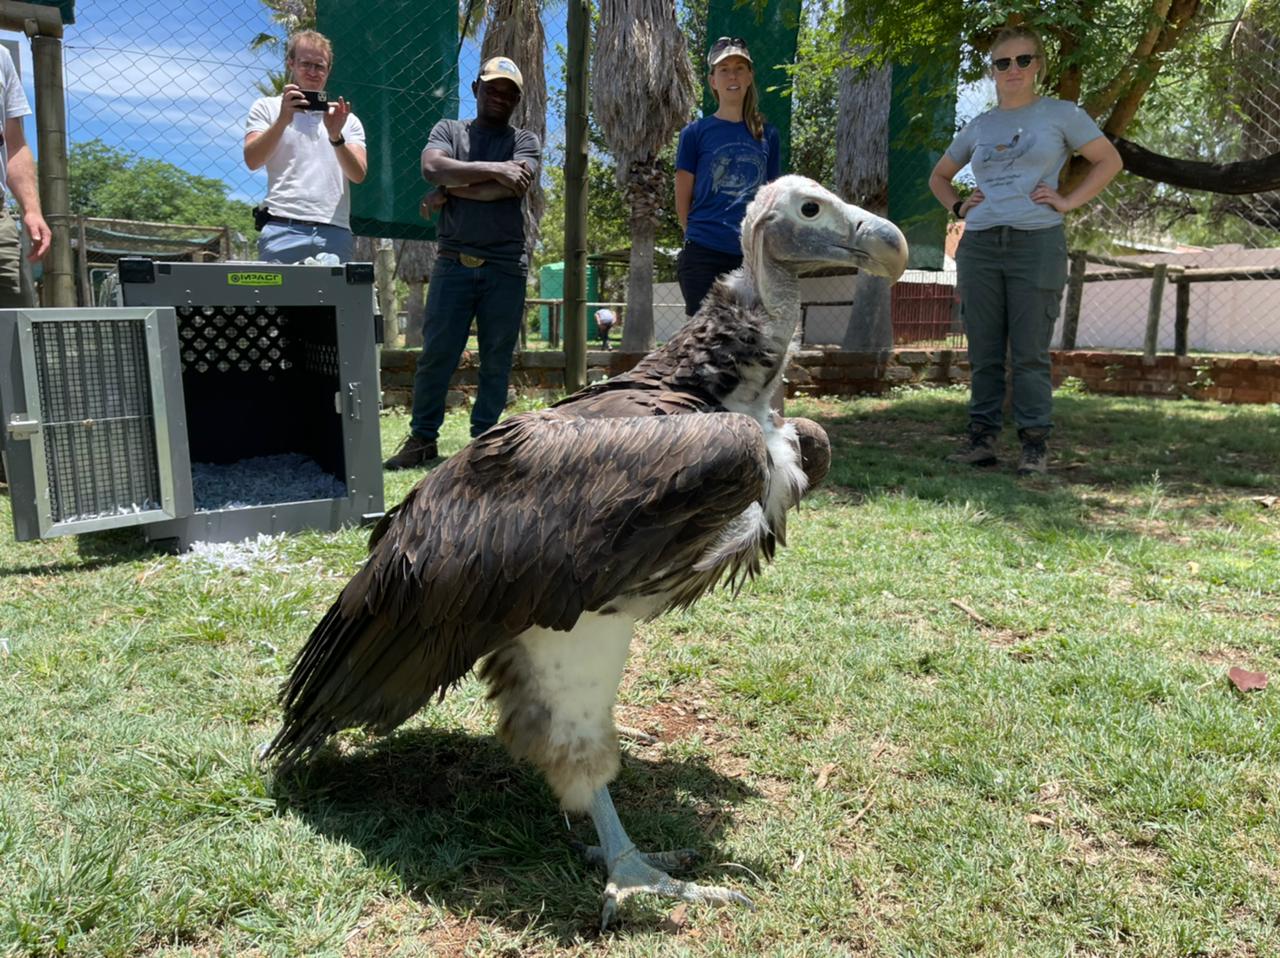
1181, 316
1158, 275
1075, 294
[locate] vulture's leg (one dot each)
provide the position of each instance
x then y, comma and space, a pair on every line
631, 870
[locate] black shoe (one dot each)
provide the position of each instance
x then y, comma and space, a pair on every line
979, 449
1035, 453
413, 452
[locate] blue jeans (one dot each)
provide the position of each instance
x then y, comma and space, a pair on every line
1010, 283
494, 295
288, 243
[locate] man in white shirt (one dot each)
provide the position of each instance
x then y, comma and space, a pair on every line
18, 170
313, 149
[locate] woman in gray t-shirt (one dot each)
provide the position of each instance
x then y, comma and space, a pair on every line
1012, 260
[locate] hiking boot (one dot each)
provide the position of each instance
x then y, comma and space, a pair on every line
1035, 453
413, 452
979, 449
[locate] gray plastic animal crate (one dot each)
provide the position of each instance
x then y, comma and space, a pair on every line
219, 401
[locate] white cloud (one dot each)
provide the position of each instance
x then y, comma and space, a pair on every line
166, 73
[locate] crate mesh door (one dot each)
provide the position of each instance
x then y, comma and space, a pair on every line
98, 423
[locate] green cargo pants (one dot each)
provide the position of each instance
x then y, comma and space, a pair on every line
1010, 283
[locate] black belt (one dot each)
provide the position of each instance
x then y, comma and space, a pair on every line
466, 259
284, 219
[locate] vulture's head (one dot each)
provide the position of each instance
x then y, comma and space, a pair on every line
794, 224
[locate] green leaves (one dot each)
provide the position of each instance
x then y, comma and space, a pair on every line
107, 181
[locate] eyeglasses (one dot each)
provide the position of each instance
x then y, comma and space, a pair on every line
312, 66
1023, 60
723, 42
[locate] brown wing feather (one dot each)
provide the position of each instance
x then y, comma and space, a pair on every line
542, 518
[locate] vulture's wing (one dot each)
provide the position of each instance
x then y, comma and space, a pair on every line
542, 518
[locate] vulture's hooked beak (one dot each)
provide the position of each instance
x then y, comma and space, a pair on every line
878, 246
795, 220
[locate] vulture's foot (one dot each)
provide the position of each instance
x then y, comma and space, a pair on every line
665, 861
632, 871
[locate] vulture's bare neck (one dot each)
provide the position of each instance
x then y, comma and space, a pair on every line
730, 355
779, 290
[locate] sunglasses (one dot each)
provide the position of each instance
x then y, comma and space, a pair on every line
1023, 60
723, 42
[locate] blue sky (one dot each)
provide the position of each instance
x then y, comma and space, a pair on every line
173, 86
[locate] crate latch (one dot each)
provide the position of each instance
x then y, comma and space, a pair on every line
353, 401
20, 427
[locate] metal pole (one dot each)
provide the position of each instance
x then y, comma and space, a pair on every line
575, 199
86, 288
51, 137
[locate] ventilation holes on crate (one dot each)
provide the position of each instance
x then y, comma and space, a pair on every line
321, 358
244, 338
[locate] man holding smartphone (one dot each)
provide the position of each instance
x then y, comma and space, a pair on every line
314, 149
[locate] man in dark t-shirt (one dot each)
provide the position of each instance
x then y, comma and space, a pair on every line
482, 169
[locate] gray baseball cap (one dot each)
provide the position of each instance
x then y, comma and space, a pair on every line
728, 47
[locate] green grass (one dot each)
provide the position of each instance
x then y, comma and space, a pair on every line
962, 714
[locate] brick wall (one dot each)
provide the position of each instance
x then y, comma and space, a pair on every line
832, 372
1229, 379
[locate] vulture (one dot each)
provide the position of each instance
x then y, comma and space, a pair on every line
534, 551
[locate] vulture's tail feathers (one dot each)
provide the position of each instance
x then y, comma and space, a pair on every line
346, 676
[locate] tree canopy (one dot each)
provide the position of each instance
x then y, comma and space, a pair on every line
109, 182
1121, 60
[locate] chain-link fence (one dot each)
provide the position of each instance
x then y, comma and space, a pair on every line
157, 97
1219, 286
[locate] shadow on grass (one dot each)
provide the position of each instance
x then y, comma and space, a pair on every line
463, 826
1102, 448
96, 550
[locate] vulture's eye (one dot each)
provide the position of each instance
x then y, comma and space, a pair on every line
810, 209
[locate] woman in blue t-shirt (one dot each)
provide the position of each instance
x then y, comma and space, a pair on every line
1012, 259
721, 161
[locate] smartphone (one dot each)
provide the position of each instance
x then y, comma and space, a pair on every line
316, 100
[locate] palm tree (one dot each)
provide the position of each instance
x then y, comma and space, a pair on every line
862, 177
642, 94
414, 262
292, 16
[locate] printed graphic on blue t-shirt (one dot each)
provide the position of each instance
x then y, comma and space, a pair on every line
735, 172
728, 166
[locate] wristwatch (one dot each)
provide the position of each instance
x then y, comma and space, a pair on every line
339, 141
955, 208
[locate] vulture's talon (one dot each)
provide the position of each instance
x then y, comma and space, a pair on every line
610, 907
637, 872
